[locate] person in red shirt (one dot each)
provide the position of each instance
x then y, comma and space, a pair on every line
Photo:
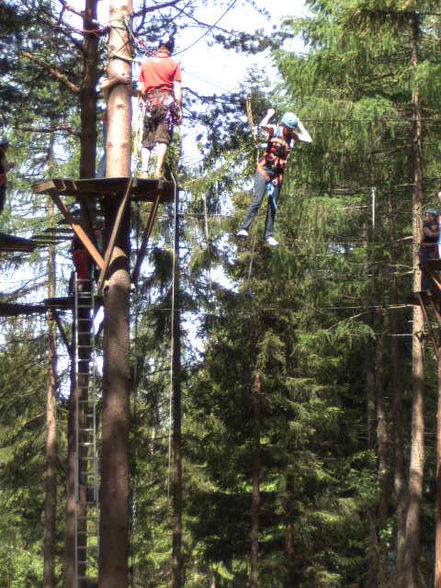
81, 264
160, 87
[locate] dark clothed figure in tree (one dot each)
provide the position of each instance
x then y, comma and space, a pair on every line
429, 243
4, 168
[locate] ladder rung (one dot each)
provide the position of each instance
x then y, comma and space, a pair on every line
83, 547
89, 532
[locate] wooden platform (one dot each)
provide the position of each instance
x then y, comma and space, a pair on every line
426, 296
60, 303
12, 243
141, 190
124, 190
433, 264
16, 309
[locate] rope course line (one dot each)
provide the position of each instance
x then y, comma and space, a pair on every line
208, 30
116, 53
278, 307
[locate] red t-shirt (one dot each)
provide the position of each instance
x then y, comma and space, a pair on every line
159, 73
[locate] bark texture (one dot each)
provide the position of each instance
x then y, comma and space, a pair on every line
114, 493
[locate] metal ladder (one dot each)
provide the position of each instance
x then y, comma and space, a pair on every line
86, 455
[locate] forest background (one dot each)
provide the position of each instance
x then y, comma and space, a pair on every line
309, 416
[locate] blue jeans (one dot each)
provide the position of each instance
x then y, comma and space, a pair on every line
260, 188
426, 253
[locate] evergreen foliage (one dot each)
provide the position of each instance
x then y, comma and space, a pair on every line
316, 319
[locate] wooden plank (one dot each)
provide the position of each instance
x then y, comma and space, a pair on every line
415, 301
145, 238
436, 311
17, 309
64, 337
79, 231
433, 264
114, 235
13, 243
429, 325
142, 190
61, 302
429, 271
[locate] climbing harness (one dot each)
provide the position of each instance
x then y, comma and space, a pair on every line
273, 162
160, 105
276, 154
139, 125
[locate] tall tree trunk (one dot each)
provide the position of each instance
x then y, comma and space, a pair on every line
51, 426
371, 380
382, 439
114, 492
416, 466
176, 390
438, 485
88, 97
88, 137
399, 461
397, 417
69, 531
289, 509
382, 451
370, 405
255, 505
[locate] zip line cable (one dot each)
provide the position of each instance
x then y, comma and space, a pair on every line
208, 30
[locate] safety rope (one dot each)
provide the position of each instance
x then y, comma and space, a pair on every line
140, 45
173, 318
139, 128
252, 127
250, 119
116, 54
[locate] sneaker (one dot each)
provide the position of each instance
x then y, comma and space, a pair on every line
143, 175
271, 242
242, 234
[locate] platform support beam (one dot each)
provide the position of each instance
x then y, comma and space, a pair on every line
422, 298
79, 231
145, 239
115, 230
